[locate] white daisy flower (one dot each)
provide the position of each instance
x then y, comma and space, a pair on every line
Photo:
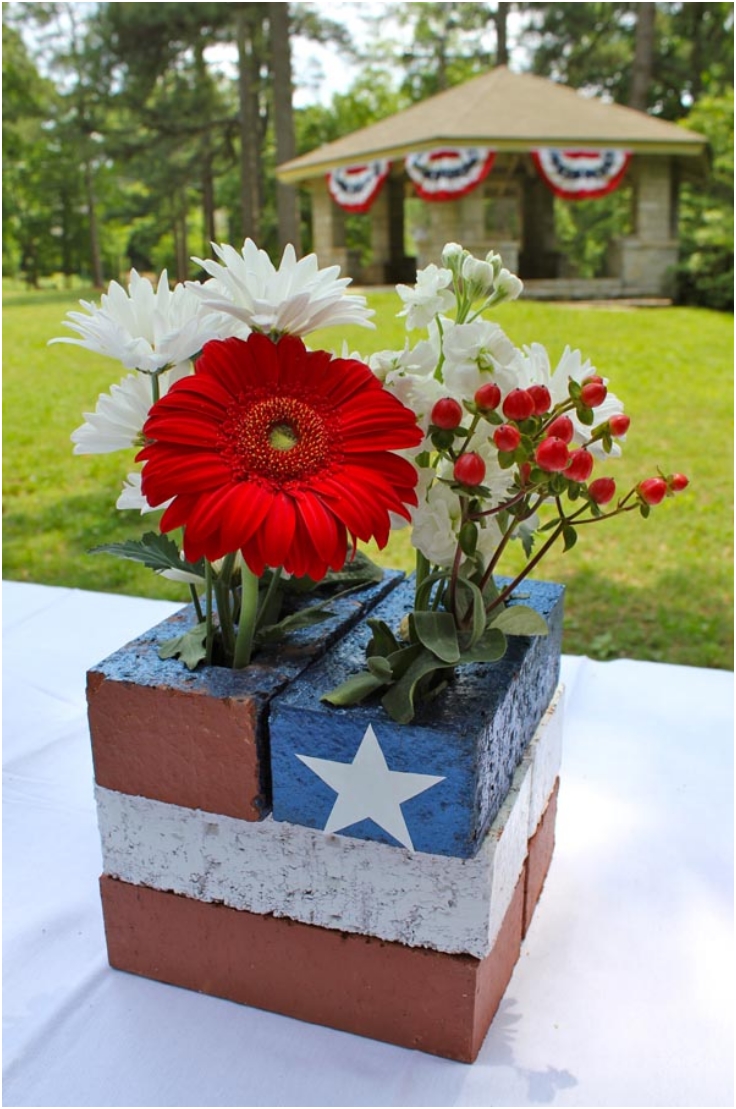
132, 499
120, 414
146, 329
295, 299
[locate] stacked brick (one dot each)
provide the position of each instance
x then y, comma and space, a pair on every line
210, 882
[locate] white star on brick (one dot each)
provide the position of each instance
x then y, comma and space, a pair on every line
367, 790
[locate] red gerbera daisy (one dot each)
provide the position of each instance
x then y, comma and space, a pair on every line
280, 453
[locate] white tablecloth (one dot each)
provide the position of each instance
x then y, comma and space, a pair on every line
623, 992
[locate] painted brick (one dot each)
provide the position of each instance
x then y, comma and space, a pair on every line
541, 848
440, 902
545, 755
426, 1000
474, 735
199, 739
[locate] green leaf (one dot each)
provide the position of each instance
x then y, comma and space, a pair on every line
401, 660
158, 552
383, 641
437, 632
478, 608
520, 620
354, 690
489, 648
190, 648
380, 668
307, 618
468, 538
399, 700
570, 536
424, 591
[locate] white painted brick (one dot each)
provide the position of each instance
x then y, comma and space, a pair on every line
545, 752
421, 900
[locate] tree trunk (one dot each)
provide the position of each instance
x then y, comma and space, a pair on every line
643, 64
500, 18
249, 202
207, 176
94, 236
181, 248
283, 119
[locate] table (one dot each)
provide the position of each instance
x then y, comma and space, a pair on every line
622, 995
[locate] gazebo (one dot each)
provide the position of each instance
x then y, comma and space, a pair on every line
487, 159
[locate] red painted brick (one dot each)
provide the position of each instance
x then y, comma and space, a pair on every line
541, 847
183, 747
414, 997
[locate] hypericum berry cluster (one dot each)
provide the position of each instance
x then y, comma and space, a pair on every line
536, 437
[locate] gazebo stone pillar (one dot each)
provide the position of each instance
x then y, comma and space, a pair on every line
463, 221
328, 227
649, 256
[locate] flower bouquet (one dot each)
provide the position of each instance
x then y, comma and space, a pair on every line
375, 743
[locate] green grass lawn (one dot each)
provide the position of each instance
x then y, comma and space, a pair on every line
658, 589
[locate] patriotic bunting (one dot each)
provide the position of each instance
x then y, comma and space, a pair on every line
449, 173
355, 188
581, 174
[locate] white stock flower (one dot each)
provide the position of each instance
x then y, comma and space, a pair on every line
536, 370
409, 375
120, 414
294, 299
478, 277
507, 286
476, 353
436, 523
143, 328
428, 298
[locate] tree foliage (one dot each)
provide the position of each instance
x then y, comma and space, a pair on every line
127, 142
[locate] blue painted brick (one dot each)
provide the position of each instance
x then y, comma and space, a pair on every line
199, 738
474, 734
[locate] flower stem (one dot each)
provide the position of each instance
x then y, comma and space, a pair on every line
208, 607
224, 606
273, 586
247, 622
195, 602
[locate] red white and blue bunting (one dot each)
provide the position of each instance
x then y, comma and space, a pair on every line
581, 174
355, 188
449, 173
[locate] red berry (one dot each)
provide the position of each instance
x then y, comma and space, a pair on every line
619, 425
447, 414
552, 455
561, 428
602, 490
593, 377
581, 465
506, 437
653, 490
678, 482
540, 394
525, 473
593, 393
488, 397
470, 469
519, 405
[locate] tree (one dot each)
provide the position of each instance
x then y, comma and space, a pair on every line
642, 66
283, 116
706, 214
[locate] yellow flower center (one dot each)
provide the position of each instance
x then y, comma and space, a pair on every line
281, 438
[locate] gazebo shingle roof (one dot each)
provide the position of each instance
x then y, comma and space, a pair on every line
506, 111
